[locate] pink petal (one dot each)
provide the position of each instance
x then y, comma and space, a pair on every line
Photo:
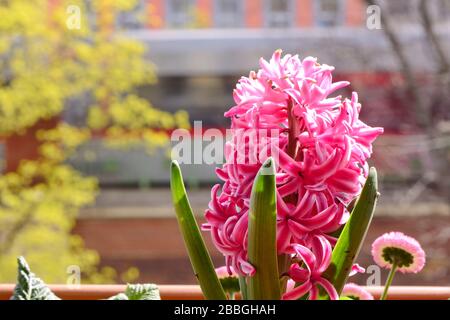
297, 292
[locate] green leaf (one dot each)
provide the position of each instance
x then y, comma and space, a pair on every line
30, 287
262, 236
352, 236
119, 296
138, 292
198, 254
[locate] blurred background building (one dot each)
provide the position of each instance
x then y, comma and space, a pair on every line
200, 49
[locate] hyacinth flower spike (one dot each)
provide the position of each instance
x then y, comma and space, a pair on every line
320, 149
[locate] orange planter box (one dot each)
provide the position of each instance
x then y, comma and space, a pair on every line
193, 292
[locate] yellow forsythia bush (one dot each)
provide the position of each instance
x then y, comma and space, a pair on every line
45, 69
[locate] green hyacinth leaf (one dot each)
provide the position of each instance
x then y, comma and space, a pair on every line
198, 254
262, 236
352, 236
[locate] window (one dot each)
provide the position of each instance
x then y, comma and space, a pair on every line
91, 16
401, 10
279, 13
228, 13
399, 7
443, 8
180, 12
134, 18
174, 85
328, 13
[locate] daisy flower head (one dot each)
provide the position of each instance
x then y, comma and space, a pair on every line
229, 280
396, 248
225, 272
356, 292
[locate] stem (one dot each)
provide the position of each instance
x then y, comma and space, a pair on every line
243, 286
14, 233
284, 261
292, 141
389, 280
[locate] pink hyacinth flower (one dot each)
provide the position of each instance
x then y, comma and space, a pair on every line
356, 268
308, 276
320, 147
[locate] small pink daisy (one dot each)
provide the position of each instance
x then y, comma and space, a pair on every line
396, 251
229, 280
356, 292
396, 248
226, 272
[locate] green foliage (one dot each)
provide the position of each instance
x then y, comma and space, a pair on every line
46, 71
352, 236
198, 254
39, 204
139, 292
30, 287
44, 63
262, 239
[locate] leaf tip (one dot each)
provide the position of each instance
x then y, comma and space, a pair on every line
373, 172
174, 165
268, 167
22, 263
175, 172
373, 178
